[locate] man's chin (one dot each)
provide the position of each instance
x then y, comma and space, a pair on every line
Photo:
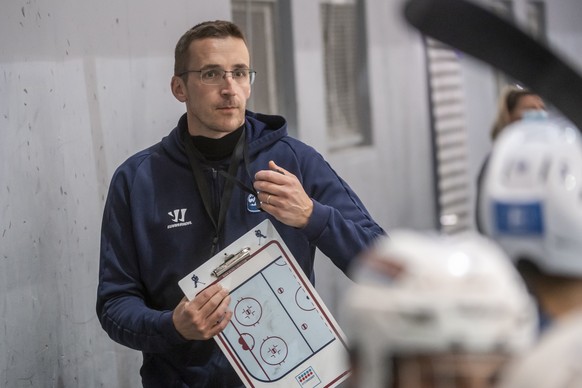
219, 130
231, 124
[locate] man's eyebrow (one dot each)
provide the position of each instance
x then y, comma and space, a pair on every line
215, 66
210, 66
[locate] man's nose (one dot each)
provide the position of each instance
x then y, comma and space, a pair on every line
227, 82
228, 73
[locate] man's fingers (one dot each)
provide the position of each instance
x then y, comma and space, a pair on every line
221, 324
212, 302
273, 174
218, 320
204, 316
208, 293
274, 167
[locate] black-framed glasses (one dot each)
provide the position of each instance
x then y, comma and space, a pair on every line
215, 76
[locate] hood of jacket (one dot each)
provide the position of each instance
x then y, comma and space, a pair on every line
261, 131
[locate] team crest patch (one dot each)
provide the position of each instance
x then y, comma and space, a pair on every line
253, 204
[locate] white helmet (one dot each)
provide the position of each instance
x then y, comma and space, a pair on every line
531, 196
428, 294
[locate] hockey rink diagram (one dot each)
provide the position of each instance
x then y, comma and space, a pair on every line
276, 325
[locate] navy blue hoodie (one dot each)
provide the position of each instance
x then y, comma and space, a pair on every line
156, 230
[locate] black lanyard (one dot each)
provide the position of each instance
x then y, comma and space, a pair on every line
195, 156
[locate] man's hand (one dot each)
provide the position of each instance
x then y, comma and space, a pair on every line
282, 195
204, 316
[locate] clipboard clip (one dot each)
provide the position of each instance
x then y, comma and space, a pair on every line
232, 261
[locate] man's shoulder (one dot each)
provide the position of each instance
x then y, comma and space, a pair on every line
299, 147
135, 160
128, 169
168, 145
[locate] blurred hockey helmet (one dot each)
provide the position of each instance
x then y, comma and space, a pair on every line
531, 196
421, 294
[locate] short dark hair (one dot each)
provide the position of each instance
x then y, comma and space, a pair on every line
514, 96
208, 29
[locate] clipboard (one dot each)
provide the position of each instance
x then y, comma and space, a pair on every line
281, 332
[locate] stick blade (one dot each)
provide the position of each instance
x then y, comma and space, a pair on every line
488, 37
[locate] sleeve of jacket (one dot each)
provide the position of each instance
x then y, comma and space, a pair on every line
340, 225
121, 298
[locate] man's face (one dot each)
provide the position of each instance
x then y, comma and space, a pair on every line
215, 110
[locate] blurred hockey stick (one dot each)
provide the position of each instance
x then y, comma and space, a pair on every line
480, 33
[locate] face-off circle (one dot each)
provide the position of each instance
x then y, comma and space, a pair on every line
274, 350
248, 311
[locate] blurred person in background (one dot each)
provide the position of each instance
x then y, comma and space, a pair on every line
431, 311
515, 103
531, 204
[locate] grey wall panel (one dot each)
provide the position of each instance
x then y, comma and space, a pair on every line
82, 86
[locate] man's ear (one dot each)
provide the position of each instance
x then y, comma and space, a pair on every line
179, 88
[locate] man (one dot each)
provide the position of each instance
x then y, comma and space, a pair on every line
219, 173
532, 206
435, 311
